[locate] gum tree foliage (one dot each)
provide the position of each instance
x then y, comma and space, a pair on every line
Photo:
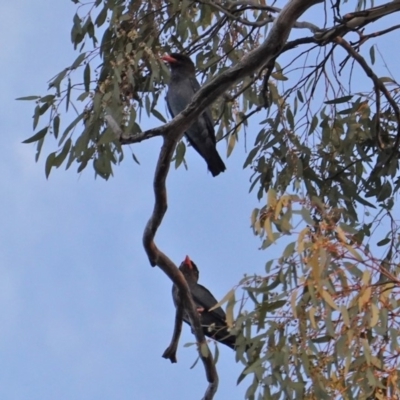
323, 321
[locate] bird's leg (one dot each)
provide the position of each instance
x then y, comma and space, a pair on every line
170, 352
200, 309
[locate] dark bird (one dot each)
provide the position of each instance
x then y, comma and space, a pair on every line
181, 89
213, 322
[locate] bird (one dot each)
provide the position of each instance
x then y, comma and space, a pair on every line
213, 322
182, 87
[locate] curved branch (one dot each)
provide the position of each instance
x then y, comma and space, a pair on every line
172, 132
170, 352
157, 257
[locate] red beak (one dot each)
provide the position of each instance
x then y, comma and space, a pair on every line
188, 262
167, 58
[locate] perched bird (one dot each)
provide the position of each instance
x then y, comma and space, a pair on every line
213, 322
181, 89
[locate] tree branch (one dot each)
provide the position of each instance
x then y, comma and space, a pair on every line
170, 352
157, 257
356, 20
172, 132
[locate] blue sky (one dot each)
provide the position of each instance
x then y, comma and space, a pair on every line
82, 313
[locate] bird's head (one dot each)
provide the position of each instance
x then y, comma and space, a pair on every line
179, 62
189, 269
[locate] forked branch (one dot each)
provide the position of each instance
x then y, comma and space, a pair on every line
172, 132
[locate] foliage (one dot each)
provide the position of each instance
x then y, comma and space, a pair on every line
322, 322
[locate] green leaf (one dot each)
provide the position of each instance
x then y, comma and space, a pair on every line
383, 242
158, 115
63, 154
37, 136
78, 61
339, 100
300, 96
83, 96
36, 116
68, 94
107, 137
179, 154
372, 54
386, 79
69, 127
251, 156
28, 98
44, 108
314, 123
56, 125
102, 16
275, 305
49, 163
290, 118
86, 77
322, 339
47, 99
195, 362
57, 80
135, 159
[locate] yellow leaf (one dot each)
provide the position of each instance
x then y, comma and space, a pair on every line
366, 277
312, 317
278, 208
341, 235
315, 267
268, 229
271, 201
226, 298
229, 311
204, 350
352, 251
345, 315
257, 227
231, 144
300, 240
328, 298
386, 290
375, 315
367, 351
364, 297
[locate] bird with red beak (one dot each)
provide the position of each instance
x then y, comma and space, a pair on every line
213, 322
182, 87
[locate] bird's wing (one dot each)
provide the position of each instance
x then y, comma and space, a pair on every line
204, 298
169, 108
208, 119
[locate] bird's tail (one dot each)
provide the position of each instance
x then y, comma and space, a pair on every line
215, 164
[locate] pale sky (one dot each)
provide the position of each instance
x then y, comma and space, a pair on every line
82, 314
